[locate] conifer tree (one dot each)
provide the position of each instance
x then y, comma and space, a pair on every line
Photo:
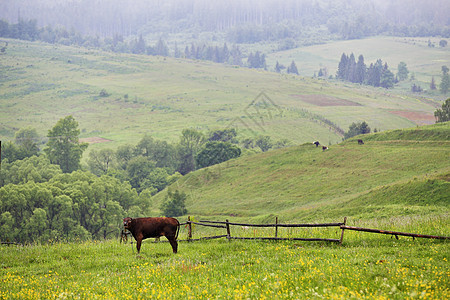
351, 68
445, 82
432, 84
292, 69
342, 68
361, 70
387, 77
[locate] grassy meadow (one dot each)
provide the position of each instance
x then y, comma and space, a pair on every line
422, 61
395, 173
398, 180
364, 267
41, 83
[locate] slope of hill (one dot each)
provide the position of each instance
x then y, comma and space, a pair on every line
121, 97
423, 61
386, 177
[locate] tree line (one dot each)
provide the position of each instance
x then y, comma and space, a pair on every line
246, 21
28, 30
378, 74
48, 195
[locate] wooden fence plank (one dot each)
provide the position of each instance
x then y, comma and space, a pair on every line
286, 239
342, 233
395, 233
228, 231
274, 225
207, 225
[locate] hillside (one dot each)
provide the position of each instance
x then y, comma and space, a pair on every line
121, 97
395, 173
422, 60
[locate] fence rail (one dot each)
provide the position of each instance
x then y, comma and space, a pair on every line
395, 233
227, 225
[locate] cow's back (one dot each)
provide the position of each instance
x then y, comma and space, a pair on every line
156, 227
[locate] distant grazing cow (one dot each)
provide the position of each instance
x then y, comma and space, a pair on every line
316, 143
360, 142
143, 228
324, 148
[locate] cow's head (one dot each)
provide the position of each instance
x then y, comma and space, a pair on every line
127, 223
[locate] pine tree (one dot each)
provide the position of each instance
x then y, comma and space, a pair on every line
236, 56
277, 67
139, 46
361, 70
445, 82
225, 53
176, 51
292, 69
432, 84
351, 68
387, 77
161, 48
342, 68
374, 73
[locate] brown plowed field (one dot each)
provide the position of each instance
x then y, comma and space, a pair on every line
420, 118
324, 100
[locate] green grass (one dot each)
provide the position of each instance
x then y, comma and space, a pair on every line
42, 83
364, 267
399, 172
421, 60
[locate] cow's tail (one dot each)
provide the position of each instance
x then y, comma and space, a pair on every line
178, 230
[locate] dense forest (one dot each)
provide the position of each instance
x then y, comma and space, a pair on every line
242, 21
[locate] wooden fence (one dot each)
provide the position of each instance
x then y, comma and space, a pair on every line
227, 225
342, 226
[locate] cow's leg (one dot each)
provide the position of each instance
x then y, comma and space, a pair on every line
138, 243
173, 243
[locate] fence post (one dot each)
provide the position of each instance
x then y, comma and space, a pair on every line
228, 230
276, 227
189, 228
342, 233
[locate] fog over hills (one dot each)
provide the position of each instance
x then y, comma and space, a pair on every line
132, 17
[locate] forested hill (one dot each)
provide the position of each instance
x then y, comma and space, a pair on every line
346, 18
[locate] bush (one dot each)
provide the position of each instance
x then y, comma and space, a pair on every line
173, 205
356, 129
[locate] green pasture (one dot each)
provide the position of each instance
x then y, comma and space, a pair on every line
366, 266
41, 83
395, 173
420, 59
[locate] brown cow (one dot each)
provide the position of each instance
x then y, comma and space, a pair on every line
143, 228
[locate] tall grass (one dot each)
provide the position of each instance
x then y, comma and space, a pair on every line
378, 268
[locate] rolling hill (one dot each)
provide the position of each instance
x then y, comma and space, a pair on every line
423, 57
117, 98
395, 173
